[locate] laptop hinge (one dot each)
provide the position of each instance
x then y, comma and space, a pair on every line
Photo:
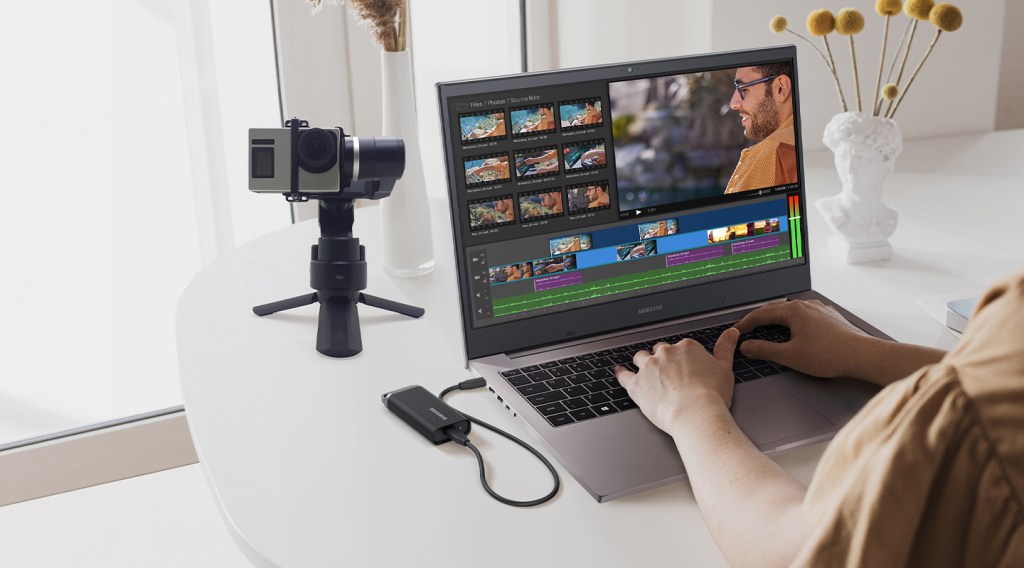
634, 330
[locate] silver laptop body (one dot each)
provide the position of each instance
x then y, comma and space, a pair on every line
580, 203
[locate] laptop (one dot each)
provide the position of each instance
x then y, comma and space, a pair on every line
597, 211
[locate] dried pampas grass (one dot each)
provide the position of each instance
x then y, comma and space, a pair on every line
386, 19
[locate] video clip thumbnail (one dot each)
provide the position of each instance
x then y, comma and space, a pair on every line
588, 197
491, 212
580, 114
733, 232
572, 243
483, 170
510, 272
730, 233
658, 229
766, 226
636, 250
478, 126
540, 204
552, 265
533, 119
537, 162
584, 156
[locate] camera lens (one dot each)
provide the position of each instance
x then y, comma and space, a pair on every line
318, 150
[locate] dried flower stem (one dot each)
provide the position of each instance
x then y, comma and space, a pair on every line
828, 63
810, 43
881, 64
835, 76
892, 66
914, 74
899, 50
856, 77
899, 76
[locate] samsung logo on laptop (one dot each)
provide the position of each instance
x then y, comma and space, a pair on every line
649, 309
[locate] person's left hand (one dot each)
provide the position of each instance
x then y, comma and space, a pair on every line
677, 377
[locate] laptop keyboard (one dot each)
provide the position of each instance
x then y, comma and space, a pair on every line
579, 388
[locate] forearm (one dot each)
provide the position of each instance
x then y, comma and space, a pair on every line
753, 508
883, 362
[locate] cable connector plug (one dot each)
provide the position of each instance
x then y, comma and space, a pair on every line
471, 384
456, 435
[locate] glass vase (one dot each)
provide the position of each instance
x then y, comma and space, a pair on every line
405, 215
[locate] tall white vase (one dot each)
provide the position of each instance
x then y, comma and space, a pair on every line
865, 149
405, 215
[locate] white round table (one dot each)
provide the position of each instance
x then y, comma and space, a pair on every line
309, 468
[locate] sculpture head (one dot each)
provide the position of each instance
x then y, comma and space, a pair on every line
865, 148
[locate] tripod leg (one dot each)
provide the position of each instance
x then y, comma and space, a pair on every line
338, 334
281, 305
391, 306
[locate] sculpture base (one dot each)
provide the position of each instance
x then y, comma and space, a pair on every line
861, 253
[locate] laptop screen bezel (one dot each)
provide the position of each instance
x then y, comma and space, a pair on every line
617, 315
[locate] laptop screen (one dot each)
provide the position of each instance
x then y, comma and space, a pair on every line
575, 193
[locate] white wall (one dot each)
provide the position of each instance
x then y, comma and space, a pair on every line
466, 39
592, 32
314, 55
1010, 102
955, 92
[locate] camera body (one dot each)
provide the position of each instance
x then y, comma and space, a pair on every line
302, 162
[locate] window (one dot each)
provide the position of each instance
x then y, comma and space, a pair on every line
98, 216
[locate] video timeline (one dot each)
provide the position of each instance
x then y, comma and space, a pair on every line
583, 266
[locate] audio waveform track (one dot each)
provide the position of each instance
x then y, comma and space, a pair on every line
621, 284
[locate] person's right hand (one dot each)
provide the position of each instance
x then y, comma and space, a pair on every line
822, 342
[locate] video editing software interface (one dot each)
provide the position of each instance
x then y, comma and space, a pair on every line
585, 193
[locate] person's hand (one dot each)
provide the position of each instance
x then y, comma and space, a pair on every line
822, 342
676, 377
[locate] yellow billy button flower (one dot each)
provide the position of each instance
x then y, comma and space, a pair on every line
849, 22
778, 24
890, 91
919, 9
820, 23
888, 7
946, 17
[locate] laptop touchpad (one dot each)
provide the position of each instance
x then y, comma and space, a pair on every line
767, 413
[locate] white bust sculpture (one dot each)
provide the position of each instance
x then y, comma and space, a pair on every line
865, 149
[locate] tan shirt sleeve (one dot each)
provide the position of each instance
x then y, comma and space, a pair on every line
785, 164
931, 471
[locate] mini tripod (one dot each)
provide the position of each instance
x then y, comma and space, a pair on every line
337, 271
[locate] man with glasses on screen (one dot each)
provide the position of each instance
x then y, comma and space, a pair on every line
764, 100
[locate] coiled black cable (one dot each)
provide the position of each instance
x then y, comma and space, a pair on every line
460, 438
